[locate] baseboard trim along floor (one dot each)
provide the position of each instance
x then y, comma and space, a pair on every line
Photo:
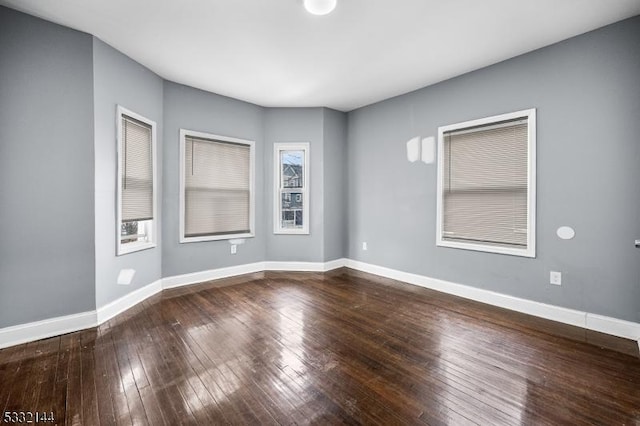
14, 335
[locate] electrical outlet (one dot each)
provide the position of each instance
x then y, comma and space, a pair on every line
234, 249
555, 278
364, 246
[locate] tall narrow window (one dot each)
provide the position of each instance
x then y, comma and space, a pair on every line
291, 213
216, 187
486, 184
136, 187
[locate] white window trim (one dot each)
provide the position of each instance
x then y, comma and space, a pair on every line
152, 231
530, 251
183, 135
277, 228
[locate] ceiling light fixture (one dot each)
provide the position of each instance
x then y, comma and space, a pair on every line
320, 7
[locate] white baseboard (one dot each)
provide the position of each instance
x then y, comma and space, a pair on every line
29, 332
120, 305
15, 335
305, 266
614, 326
23, 333
335, 264
587, 320
293, 266
212, 274
232, 271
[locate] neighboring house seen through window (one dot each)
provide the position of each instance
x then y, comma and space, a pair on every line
291, 213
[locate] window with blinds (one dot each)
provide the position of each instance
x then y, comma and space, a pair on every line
137, 178
217, 187
136, 182
486, 185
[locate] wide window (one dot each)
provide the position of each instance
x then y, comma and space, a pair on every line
486, 184
291, 213
136, 182
216, 187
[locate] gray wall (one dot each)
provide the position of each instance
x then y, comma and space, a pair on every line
59, 89
47, 264
118, 80
587, 94
336, 235
192, 109
296, 125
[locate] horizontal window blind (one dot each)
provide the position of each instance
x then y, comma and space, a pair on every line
137, 171
485, 191
217, 187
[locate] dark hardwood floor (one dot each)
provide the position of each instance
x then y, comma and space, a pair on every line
311, 348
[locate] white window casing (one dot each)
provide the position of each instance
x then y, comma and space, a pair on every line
486, 193
291, 188
136, 186
217, 181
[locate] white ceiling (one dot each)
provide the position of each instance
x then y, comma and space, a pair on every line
274, 53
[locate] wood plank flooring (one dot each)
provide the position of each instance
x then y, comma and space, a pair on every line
310, 348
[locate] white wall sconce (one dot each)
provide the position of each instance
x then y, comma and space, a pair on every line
421, 149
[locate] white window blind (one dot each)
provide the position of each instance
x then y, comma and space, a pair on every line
137, 171
485, 184
217, 185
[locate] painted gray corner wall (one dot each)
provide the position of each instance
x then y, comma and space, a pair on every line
587, 97
47, 265
118, 80
335, 185
193, 109
296, 125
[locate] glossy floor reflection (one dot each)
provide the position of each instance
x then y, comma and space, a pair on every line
311, 348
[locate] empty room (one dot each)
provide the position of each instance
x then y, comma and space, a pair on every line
319, 212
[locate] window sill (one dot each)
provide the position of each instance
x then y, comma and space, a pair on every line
291, 232
184, 240
526, 252
134, 247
